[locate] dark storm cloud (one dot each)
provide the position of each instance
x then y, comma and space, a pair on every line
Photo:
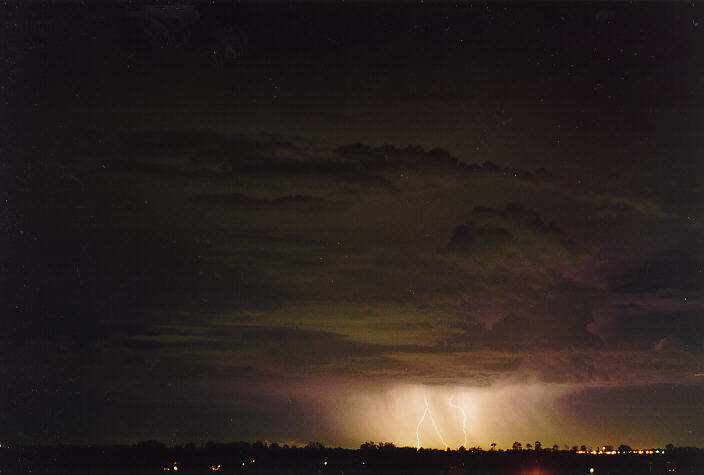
390, 157
266, 347
514, 236
231, 155
512, 314
278, 156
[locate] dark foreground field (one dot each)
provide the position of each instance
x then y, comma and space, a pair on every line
152, 458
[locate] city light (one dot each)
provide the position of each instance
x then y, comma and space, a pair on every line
615, 452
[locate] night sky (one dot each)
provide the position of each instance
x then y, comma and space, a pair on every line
304, 223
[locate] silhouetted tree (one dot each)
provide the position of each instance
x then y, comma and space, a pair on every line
517, 445
555, 447
529, 446
624, 448
371, 445
538, 445
258, 445
493, 446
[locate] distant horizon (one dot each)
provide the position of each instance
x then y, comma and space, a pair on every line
591, 450
607, 449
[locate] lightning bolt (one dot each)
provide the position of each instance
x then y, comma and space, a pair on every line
432, 419
464, 418
418, 426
